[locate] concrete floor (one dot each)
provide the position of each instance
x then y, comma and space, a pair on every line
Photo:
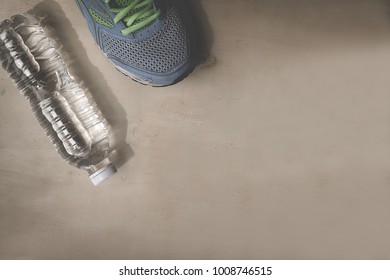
277, 148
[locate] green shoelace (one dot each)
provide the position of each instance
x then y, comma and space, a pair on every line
136, 15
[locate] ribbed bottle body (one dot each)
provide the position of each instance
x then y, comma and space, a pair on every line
65, 110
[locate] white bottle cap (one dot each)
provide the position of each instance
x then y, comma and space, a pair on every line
102, 174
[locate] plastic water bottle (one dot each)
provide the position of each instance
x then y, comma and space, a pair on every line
69, 116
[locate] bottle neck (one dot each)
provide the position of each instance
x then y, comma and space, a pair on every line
101, 171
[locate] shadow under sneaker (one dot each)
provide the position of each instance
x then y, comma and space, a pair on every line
145, 39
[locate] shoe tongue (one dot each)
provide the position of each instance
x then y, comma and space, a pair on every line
123, 3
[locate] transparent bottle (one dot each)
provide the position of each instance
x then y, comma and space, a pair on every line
68, 114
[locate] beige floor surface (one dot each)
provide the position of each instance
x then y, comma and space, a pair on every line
278, 148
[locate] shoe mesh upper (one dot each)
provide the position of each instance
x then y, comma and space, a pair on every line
99, 19
123, 2
160, 53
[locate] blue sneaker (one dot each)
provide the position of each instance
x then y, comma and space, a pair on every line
145, 39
